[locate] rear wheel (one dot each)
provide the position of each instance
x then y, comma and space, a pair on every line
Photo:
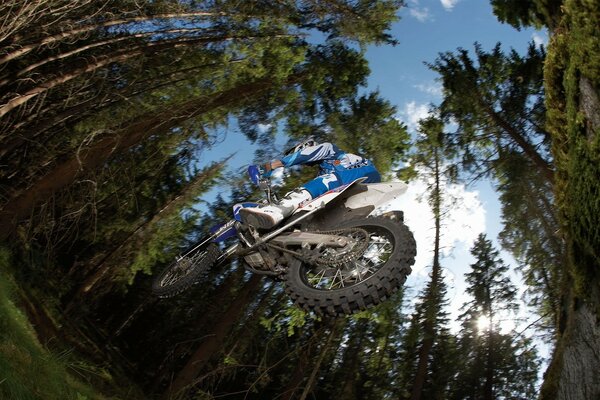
185, 271
387, 252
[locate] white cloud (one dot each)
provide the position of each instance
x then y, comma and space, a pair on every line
421, 14
461, 226
414, 112
462, 223
449, 4
262, 128
431, 88
538, 39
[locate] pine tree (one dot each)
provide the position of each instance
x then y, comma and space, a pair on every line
73, 117
429, 330
492, 364
530, 233
497, 101
502, 135
571, 76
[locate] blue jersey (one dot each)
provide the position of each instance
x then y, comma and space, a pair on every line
328, 156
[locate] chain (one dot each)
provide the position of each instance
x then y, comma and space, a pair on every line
316, 257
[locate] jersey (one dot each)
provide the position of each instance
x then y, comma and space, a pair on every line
328, 156
336, 167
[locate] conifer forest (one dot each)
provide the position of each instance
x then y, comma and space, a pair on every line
110, 111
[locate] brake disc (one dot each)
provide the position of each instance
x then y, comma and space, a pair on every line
325, 256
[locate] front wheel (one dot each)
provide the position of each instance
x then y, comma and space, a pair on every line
185, 271
366, 280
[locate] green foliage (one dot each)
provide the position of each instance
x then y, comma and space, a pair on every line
497, 102
146, 120
572, 76
364, 21
164, 71
502, 133
523, 13
159, 248
490, 289
368, 127
530, 234
429, 322
492, 363
290, 319
428, 346
27, 369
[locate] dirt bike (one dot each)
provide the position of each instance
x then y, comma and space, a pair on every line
335, 254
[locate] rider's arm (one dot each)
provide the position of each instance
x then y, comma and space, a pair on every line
273, 165
319, 152
311, 154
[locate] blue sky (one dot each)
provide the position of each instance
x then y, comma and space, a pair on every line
426, 28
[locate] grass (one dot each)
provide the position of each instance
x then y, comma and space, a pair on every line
27, 369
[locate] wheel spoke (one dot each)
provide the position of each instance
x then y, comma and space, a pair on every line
353, 272
319, 277
337, 272
183, 267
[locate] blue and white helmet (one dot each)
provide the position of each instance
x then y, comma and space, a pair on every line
308, 142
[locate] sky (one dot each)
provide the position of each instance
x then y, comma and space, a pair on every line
427, 28
399, 73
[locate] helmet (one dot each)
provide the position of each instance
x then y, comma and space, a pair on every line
308, 142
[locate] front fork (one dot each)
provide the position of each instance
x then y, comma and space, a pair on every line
244, 247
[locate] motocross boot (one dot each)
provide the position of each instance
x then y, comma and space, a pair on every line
267, 217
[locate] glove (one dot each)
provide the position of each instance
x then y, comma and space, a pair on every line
267, 170
270, 167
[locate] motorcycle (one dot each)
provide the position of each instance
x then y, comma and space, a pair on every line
336, 254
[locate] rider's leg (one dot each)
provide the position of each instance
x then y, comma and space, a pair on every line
269, 216
368, 171
322, 184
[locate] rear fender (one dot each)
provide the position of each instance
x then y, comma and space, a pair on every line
327, 197
376, 195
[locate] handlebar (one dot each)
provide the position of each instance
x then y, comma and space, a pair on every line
257, 177
255, 174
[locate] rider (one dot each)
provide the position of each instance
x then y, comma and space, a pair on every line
336, 168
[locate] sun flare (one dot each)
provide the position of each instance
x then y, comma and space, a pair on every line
483, 323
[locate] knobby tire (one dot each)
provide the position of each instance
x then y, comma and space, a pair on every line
369, 292
196, 270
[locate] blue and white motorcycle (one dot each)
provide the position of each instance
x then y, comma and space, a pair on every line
335, 254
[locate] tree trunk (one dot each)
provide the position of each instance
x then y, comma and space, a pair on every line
119, 56
221, 295
211, 345
351, 360
138, 236
20, 15
488, 387
529, 150
312, 379
573, 371
431, 309
34, 126
297, 377
92, 45
422, 365
62, 175
25, 49
571, 74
